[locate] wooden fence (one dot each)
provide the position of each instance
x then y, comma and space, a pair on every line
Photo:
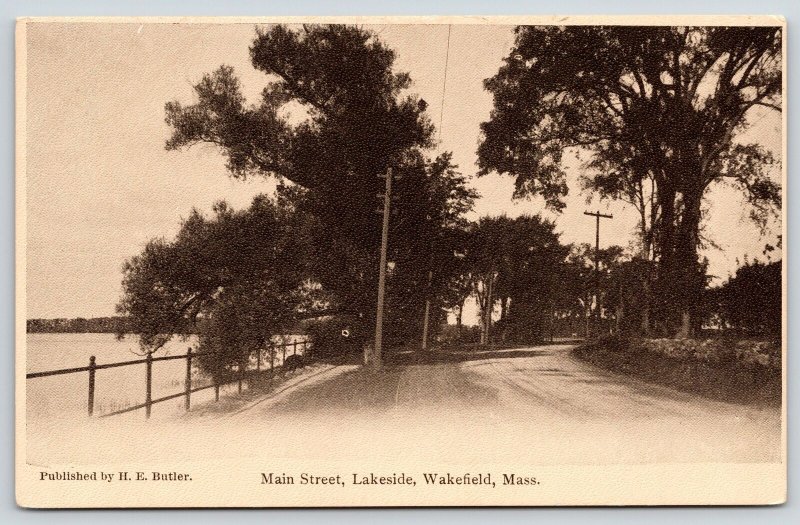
148, 361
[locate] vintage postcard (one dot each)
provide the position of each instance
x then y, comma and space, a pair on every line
381, 261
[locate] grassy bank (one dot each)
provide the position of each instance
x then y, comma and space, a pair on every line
738, 371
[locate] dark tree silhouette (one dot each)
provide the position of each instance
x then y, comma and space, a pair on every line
332, 117
516, 263
750, 300
659, 110
592, 302
235, 279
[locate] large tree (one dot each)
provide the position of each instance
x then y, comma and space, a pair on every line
586, 298
659, 111
236, 279
332, 117
516, 263
750, 300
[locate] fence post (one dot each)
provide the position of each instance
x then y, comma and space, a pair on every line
294, 351
148, 396
241, 376
216, 389
283, 362
92, 366
188, 383
258, 360
305, 349
271, 361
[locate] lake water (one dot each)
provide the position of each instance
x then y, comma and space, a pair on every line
66, 396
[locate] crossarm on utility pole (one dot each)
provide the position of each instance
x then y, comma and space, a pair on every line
597, 215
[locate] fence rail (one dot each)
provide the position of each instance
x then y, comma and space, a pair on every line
241, 374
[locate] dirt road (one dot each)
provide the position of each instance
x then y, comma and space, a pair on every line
537, 402
535, 405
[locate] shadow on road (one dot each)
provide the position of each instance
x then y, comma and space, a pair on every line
411, 358
431, 383
365, 392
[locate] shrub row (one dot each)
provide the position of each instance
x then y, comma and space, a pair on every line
716, 352
740, 371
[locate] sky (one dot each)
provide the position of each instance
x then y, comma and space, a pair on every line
100, 183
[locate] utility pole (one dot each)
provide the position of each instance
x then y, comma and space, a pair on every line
597, 215
427, 312
373, 358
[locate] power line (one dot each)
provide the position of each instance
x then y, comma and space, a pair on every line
438, 149
444, 84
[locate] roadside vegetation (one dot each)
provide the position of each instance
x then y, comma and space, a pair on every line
736, 358
657, 114
727, 369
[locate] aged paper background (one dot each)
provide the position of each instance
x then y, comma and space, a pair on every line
223, 480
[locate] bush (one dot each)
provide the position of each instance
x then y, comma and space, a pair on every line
750, 301
718, 352
450, 334
327, 339
609, 343
732, 370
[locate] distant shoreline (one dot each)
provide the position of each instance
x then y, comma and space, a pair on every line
78, 325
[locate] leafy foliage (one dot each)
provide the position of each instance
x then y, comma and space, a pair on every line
750, 301
334, 115
521, 260
235, 279
335, 336
657, 109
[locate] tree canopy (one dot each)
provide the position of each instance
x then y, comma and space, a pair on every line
750, 300
516, 263
332, 117
658, 110
237, 267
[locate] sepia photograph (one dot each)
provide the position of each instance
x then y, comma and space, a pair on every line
400, 261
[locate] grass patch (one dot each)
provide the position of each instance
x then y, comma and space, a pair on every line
736, 371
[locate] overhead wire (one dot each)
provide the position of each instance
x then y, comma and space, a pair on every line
444, 87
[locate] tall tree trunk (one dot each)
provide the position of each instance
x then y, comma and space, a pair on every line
488, 311
646, 300
481, 297
459, 317
689, 275
685, 330
664, 293
588, 316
